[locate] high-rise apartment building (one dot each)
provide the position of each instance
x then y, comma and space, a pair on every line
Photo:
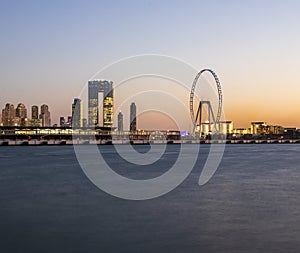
21, 115
94, 88
132, 117
77, 113
34, 112
45, 116
35, 116
21, 111
8, 115
120, 121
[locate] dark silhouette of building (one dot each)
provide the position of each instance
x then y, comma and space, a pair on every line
62, 121
34, 112
35, 121
94, 88
70, 120
120, 121
132, 127
77, 113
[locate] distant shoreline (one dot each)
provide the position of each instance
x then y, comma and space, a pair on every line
6, 143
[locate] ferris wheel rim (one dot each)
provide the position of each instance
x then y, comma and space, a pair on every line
192, 94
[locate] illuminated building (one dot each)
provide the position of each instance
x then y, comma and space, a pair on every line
132, 127
120, 122
206, 127
45, 116
241, 131
8, 115
94, 88
108, 112
259, 127
77, 113
226, 127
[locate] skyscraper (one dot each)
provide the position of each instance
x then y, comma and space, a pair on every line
132, 117
45, 116
8, 115
34, 112
106, 87
77, 113
120, 121
35, 116
62, 121
21, 111
21, 115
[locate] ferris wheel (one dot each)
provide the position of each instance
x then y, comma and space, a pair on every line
198, 116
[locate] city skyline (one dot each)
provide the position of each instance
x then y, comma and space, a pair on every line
19, 117
247, 43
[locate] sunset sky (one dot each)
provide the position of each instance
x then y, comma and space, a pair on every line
49, 49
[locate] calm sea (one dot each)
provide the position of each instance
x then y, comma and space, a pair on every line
252, 204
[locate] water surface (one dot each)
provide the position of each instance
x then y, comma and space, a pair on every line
252, 204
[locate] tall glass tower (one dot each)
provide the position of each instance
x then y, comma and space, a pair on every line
132, 117
94, 88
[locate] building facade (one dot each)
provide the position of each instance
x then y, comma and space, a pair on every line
226, 127
94, 88
241, 131
259, 127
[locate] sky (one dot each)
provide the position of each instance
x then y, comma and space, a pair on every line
49, 49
